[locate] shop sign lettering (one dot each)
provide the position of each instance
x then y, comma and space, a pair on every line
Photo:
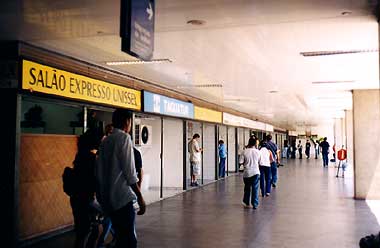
45, 79
155, 103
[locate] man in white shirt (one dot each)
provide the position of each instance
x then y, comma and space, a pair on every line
195, 159
251, 175
117, 181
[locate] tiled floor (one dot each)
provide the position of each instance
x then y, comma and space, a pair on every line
310, 208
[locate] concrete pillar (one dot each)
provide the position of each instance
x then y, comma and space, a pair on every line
349, 141
366, 119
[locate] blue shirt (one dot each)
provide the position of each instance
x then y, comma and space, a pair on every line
222, 151
273, 148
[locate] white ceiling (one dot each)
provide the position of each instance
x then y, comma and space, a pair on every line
250, 47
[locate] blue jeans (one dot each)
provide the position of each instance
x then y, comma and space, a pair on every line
251, 190
222, 167
273, 168
325, 157
123, 223
265, 180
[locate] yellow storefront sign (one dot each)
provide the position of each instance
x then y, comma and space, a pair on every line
46, 79
205, 114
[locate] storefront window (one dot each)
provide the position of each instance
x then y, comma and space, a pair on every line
43, 117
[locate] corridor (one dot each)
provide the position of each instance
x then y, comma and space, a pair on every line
309, 208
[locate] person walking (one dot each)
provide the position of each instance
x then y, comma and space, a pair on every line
84, 166
251, 175
325, 151
195, 159
299, 147
266, 158
307, 149
222, 158
116, 180
276, 160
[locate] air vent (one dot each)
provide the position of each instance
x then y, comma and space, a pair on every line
338, 52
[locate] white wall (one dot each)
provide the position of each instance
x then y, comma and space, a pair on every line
151, 154
173, 153
231, 151
209, 146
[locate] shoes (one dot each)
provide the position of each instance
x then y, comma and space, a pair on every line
274, 185
245, 205
196, 184
254, 207
267, 194
192, 184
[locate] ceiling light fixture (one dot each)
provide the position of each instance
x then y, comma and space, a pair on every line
139, 62
334, 82
273, 91
337, 52
200, 86
196, 22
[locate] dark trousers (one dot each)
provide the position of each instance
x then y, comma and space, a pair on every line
325, 157
307, 152
273, 171
300, 152
83, 215
265, 180
222, 167
123, 223
251, 190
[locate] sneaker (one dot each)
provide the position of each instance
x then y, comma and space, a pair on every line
255, 207
245, 205
274, 185
267, 194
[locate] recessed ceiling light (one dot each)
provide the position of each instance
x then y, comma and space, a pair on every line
139, 62
273, 91
337, 52
196, 22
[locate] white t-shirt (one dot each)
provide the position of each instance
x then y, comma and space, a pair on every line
193, 148
265, 157
250, 160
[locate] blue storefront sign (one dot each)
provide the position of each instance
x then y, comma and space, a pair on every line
137, 28
155, 103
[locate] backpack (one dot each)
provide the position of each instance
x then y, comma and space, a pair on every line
69, 181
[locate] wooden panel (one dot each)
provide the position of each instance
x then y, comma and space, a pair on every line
43, 206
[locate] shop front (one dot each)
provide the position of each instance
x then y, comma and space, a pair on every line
56, 107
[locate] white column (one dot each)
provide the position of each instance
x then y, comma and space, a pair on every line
366, 119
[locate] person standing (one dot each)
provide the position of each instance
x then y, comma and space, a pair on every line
316, 147
266, 158
307, 149
195, 159
325, 151
251, 175
299, 147
222, 158
116, 180
273, 165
